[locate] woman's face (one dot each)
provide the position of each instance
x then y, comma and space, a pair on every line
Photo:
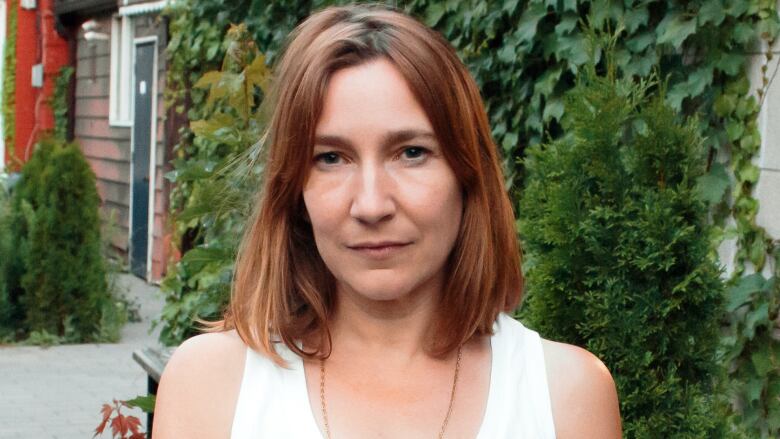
384, 204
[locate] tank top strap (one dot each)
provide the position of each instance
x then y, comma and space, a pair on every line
519, 398
273, 401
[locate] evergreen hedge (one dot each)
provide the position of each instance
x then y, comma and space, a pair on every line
25, 200
619, 258
57, 279
5, 254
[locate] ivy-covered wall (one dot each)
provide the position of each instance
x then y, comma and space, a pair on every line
525, 56
9, 80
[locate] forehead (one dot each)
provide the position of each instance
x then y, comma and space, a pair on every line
370, 98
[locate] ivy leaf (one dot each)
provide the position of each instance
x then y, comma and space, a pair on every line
553, 109
757, 252
640, 42
510, 6
677, 94
734, 130
711, 12
507, 54
743, 33
635, 17
643, 65
761, 362
510, 142
749, 172
567, 23
526, 28
699, 80
759, 316
674, 29
711, 187
546, 83
572, 49
741, 293
434, 13
753, 389
730, 63
725, 104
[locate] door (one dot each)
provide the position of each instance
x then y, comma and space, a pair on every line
142, 142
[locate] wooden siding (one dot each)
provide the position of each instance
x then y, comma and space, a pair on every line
108, 147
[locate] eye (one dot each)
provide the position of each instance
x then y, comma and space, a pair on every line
327, 158
414, 153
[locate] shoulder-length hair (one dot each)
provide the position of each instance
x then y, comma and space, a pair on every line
282, 290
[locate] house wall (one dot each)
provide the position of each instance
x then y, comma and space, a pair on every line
768, 188
108, 147
36, 43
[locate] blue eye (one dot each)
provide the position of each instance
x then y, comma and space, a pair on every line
328, 158
414, 152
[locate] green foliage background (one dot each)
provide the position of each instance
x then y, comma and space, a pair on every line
619, 258
9, 78
54, 274
5, 249
525, 56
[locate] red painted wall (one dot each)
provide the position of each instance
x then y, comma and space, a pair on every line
37, 42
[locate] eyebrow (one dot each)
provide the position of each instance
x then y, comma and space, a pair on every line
390, 138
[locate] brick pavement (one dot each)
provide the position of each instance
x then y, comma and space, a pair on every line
57, 392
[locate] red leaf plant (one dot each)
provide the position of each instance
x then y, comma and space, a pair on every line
122, 427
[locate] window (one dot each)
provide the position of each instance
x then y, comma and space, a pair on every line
120, 83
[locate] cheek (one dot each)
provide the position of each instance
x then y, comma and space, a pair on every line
439, 206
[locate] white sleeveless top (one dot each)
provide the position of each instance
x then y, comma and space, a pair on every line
273, 402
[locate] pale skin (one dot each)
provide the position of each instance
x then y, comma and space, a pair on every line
385, 209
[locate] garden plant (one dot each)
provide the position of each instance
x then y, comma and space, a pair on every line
55, 276
618, 253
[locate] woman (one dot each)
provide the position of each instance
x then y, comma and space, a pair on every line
370, 290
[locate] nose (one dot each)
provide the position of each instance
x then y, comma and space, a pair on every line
372, 200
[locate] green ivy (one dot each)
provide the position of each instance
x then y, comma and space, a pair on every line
525, 55
9, 80
59, 102
220, 175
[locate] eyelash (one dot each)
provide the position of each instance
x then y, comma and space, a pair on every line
424, 153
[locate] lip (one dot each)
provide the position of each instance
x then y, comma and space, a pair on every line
379, 250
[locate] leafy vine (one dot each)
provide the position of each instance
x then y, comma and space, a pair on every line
9, 81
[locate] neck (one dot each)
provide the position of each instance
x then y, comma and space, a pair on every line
398, 326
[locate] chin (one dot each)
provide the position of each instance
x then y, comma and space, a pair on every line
383, 287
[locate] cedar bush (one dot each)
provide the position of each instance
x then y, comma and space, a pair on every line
619, 258
25, 199
55, 276
65, 282
5, 254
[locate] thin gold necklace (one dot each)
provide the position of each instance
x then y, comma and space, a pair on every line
324, 408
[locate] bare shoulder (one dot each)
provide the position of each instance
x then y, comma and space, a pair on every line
582, 392
199, 387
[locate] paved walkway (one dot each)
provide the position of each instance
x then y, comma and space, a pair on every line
57, 392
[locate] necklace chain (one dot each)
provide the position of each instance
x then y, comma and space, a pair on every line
324, 407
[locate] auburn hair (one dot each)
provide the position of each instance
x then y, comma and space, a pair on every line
282, 291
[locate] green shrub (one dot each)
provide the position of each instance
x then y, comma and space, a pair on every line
24, 201
220, 177
5, 254
65, 278
619, 257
